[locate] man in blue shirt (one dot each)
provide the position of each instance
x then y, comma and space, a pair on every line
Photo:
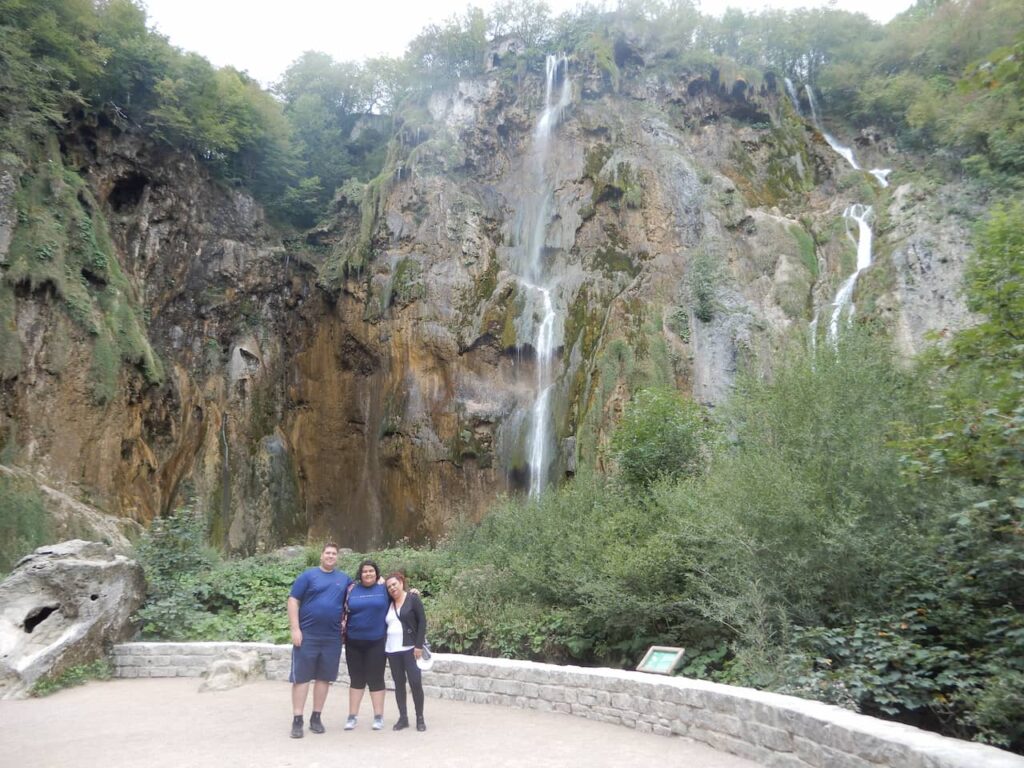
314, 615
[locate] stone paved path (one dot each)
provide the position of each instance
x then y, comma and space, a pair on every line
165, 723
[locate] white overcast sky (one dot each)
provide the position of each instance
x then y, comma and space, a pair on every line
263, 38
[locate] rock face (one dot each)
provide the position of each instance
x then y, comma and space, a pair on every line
64, 605
373, 379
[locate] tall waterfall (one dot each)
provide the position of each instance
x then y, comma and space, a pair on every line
534, 277
859, 213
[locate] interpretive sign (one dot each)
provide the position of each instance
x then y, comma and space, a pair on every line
661, 660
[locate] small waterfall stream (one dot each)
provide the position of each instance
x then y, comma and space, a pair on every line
794, 99
844, 296
844, 151
533, 275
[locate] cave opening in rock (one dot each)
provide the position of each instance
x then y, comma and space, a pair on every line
37, 616
128, 192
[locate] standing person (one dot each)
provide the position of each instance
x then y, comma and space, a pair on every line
314, 615
407, 632
365, 634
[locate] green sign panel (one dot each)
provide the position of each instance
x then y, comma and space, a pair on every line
661, 660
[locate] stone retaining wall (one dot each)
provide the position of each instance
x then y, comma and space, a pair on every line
771, 729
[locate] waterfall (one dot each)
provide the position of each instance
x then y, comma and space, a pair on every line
844, 296
541, 408
843, 301
532, 272
225, 473
880, 174
846, 152
793, 96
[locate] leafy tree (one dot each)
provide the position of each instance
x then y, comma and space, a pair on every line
527, 20
137, 58
46, 60
329, 108
449, 51
661, 434
980, 437
810, 496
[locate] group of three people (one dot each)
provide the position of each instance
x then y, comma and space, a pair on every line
382, 622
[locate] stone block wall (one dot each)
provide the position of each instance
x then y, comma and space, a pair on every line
770, 729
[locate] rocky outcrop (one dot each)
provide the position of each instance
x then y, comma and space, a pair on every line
64, 605
234, 668
372, 380
71, 518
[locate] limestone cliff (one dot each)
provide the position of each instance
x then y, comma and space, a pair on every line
373, 378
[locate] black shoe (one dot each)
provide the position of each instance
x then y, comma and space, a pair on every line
420, 725
315, 725
400, 723
297, 729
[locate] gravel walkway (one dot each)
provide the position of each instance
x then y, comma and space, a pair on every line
155, 723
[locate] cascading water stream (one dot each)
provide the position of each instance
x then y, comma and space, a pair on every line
881, 174
844, 296
541, 409
843, 301
844, 151
535, 278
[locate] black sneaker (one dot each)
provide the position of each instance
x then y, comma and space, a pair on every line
400, 723
315, 725
297, 729
420, 724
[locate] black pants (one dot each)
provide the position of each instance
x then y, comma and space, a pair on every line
403, 665
365, 660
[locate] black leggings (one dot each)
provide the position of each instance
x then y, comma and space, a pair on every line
365, 661
403, 664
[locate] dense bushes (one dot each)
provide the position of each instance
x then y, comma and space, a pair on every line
195, 595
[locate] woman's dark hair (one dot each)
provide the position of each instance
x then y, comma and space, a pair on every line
396, 575
372, 564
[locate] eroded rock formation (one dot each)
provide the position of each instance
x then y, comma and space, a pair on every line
64, 605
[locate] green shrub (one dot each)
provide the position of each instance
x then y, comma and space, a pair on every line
704, 279
24, 521
661, 434
100, 669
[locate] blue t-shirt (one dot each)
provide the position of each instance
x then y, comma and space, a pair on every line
368, 610
321, 595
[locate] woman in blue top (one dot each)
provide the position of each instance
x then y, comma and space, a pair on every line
365, 637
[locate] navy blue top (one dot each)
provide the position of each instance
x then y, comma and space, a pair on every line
321, 595
368, 608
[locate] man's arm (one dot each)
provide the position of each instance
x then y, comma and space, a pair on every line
293, 620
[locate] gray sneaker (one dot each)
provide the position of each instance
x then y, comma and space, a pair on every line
350, 724
378, 722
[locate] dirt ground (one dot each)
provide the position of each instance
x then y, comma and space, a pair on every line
156, 723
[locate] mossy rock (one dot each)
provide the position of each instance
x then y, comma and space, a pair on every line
62, 241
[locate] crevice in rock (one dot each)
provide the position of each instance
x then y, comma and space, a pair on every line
37, 616
128, 192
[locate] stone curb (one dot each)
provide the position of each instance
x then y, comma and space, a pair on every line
769, 728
